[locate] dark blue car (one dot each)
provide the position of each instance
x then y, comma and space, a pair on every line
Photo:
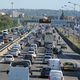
45, 71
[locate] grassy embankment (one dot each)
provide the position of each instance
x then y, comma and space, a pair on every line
75, 40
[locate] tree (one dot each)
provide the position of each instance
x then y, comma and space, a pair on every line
6, 22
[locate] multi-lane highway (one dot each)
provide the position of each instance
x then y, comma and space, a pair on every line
67, 55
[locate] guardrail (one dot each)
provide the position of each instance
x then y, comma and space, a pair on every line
5, 50
72, 46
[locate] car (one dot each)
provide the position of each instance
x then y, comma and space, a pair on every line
8, 58
54, 31
34, 46
69, 66
48, 54
48, 50
5, 39
46, 58
28, 62
55, 50
5, 32
56, 75
15, 32
14, 52
1, 43
17, 46
63, 46
28, 57
10, 38
31, 49
45, 71
32, 53
49, 45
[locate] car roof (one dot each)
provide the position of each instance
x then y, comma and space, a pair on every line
58, 71
8, 55
33, 44
20, 63
55, 59
45, 67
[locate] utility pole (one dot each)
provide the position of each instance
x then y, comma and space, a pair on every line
12, 3
74, 18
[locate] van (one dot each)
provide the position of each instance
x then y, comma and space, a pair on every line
54, 64
18, 70
56, 75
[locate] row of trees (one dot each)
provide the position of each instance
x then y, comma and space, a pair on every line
6, 22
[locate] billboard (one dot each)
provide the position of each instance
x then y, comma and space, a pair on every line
44, 21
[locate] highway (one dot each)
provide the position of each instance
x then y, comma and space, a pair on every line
67, 55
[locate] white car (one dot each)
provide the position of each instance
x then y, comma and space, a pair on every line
15, 52
56, 75
5, 32
18, 46
32, 53
16, 49
8, 58
10, 38
1, 43
15, 33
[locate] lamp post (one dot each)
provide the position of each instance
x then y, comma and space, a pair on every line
74, 17
12, 3
68, 26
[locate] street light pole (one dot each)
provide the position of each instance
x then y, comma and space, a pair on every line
74, 18
12, 3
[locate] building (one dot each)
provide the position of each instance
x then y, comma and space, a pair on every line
61, 23
17, 14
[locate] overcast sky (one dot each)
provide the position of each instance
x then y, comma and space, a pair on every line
39, 4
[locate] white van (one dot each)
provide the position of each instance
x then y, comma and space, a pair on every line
18, 71
54, 64
56, 75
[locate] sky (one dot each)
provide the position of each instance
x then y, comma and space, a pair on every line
39, 4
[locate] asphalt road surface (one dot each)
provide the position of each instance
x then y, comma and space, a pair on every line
67, 55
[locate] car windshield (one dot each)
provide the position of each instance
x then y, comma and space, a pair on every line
69, 64
31, 49
10, 37
13, 50
32, 45
48, 57
20, 64
31, 52
46, 69
58, 74
27, 57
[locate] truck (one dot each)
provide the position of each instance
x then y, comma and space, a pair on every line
18, 70
48, 39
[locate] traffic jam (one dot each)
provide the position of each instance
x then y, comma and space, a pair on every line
37, 56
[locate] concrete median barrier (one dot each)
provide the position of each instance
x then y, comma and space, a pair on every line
9, 46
